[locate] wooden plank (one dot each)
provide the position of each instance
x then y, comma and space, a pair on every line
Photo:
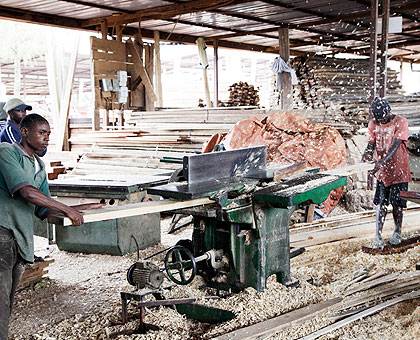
289, 170
149, 66
351, 169
108, 45
115, 56
106, 67
367, 312
265, 329
112, 212
357, 229
158, 69
138, 62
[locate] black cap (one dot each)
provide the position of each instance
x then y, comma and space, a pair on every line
380, 108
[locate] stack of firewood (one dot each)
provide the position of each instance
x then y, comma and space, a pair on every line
243, 94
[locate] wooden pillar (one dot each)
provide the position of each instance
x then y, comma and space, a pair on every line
384, 46
158, 69
119, 33
216, 72
149, 65
104, 29
373, 51
286, 95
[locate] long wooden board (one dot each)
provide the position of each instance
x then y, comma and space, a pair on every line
111, 212
409, 296
270, 327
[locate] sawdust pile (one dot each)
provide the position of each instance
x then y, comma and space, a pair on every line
329, 268
290, 139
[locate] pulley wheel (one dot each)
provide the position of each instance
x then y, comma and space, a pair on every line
180, 265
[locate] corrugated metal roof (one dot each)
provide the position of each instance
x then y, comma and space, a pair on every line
314, 25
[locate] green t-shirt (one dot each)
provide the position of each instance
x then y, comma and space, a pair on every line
17, 170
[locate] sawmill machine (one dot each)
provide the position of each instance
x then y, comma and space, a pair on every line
243, 237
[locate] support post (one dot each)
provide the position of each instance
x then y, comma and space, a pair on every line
158, 69
286, 95
216, 72
104, 29
119, 33
149, 63
373, 51
384, 46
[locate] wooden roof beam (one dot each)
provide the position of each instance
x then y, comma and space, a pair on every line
21, 15
362, 15
162, 12
406, 16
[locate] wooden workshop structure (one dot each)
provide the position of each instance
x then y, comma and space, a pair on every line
279, 27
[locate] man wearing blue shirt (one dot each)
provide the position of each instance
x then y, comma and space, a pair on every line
16, 109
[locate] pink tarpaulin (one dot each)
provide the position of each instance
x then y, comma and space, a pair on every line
290, 138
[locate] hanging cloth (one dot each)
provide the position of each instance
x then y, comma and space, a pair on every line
280, 66
202, 52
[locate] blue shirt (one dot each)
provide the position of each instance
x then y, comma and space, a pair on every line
11, 134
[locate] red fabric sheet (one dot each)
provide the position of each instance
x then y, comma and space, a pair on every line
290, 138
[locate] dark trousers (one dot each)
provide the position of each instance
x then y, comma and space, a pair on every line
11, 270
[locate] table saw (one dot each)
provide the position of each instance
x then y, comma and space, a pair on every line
243, 238
114, 236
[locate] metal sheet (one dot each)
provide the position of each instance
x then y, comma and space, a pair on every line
224, 164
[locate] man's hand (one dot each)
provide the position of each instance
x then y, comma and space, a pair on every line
378, 165
75, 216
368, 154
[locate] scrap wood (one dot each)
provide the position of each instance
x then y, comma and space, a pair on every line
268, 328
390, 249
409, 296
383, 280
34, 273
389, 291
360, 275
374, 283
289, 170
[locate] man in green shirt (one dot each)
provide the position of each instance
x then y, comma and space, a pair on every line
24, 193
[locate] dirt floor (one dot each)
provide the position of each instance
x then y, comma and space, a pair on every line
80, 298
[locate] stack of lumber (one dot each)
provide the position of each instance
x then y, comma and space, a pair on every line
178, 130
34, 273
342, 88
112, 161
242, 94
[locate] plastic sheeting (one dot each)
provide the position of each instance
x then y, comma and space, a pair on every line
290, 138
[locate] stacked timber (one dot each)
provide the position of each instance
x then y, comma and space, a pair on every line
176, 130
243, 94
111, 161
341, 87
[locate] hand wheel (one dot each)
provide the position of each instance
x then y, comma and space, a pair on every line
178, 261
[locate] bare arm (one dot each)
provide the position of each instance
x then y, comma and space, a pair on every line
35, 196
391, 152
368, 153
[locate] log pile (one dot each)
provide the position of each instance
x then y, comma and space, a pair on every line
341, 87
243, 94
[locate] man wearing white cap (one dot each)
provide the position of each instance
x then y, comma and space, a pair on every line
16, 109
